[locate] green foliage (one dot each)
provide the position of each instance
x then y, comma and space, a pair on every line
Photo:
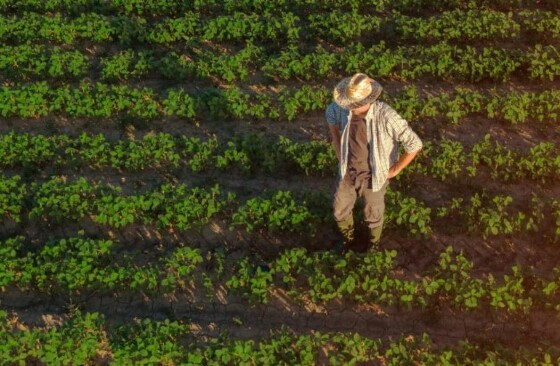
179, 268
151, 151
190, 208
91, 150
511, 295
173, 29
501, 161
342, 26
61, 200
126, 65
272, 40
408, 212
9, 264
116, 211
291, 63
178, 103
198, 152
103, 100
542, 25
77, 265
280, 212
28, 101
25, 62
12, 193
544, 63
303, 100
71, 264
76, 341
228, 67
449, 160
313, 158
253, 283
147, 342
473, 24
452, 278
494, 218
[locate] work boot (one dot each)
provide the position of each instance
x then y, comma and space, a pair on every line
374, 236
346, 228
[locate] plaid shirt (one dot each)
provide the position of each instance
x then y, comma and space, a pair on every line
385, 129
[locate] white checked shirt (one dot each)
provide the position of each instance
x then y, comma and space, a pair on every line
385, 129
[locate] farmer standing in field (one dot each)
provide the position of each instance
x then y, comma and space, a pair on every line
365, 134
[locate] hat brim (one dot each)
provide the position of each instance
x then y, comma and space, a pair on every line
342, 100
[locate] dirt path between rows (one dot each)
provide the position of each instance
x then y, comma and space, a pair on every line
236, 317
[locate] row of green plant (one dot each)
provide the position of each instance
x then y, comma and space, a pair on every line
41, 62
190, 27
23, 62
447, 158
338, 26
244, 154
498, 215
512, 106
103, 100
254, 153
183, 208
173, 7
79, 266
441, 61
177, 206
87, 338
342, 26
38, 99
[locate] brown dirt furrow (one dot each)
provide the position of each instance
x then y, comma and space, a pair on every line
241, 320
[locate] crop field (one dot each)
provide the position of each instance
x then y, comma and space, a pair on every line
167, 177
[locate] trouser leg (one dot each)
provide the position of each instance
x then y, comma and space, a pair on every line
343, 204
374, 209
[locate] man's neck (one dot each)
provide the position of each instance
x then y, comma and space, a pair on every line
359, 115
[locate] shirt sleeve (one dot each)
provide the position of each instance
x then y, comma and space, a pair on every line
330, 115
401, 131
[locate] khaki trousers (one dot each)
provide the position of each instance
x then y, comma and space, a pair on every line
346, 193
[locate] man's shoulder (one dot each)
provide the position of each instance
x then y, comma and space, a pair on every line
335, 113
334, 107
382, 107
386, 112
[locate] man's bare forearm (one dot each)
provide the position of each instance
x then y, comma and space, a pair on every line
335, 135
404, 160
336, 145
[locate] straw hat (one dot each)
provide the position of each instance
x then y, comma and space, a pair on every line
357, 90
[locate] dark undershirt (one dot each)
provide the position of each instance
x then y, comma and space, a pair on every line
358, 149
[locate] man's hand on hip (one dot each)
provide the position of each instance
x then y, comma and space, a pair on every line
392, 172
406, 158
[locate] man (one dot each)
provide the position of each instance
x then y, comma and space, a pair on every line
366, 134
